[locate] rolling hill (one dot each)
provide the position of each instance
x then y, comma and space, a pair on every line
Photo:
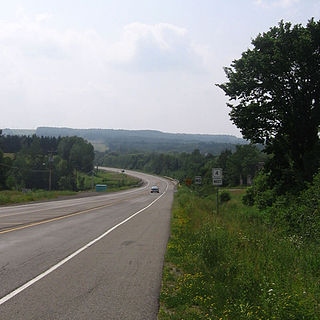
140, 140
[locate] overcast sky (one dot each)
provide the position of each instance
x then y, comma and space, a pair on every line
128, 64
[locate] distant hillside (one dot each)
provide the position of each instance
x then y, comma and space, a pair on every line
18, 132
142, 140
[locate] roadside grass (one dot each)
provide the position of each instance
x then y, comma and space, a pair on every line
234, 266
114, 181
12, 196
9, 155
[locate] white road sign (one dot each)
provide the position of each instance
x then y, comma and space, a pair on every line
217, 173
217, 182
197, 180
217, 176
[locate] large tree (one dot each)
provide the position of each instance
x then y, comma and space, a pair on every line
274, 91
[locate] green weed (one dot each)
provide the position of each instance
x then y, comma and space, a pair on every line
234, 266
114, 181
10, 197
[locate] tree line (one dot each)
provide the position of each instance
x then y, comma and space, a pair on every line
237, 166
138, 141
34, 162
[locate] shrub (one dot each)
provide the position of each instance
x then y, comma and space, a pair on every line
260, 193
248, 198
301, 214
225, 196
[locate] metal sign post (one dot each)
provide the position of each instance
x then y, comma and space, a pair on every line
217, 200
217, 181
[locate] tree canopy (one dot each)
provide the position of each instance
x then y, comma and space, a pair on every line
236, 166
274, 91
27, 161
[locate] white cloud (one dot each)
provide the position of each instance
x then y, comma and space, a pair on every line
136, 34
142, 47
76, 78
276, 3
43, 17
158, 47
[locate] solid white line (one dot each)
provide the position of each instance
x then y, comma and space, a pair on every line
62, 262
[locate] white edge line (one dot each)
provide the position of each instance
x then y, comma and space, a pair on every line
63, 261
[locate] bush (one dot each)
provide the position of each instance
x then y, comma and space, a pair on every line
65, 183
248, 198
301, 214
260, 194
224, 196
265, 199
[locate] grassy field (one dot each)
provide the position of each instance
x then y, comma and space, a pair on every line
114, 181
233, 266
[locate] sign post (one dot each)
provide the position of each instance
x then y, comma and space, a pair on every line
217, 181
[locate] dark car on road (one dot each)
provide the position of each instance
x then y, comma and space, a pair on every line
155, 189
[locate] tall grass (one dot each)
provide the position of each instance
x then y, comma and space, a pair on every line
233, 266
114, 181
10, 196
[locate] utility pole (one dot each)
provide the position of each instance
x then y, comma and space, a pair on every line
50, 160
92, 179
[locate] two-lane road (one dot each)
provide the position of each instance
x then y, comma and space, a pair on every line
87, 258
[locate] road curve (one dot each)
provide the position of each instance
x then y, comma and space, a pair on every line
88, 258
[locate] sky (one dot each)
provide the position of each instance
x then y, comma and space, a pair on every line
129, 64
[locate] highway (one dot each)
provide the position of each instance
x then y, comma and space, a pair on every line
97, 257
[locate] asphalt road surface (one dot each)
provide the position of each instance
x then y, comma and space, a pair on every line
98, 257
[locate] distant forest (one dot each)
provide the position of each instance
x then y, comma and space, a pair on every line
128, 141
34, 162
239, 167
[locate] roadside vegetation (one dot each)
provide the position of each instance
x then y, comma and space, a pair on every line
237, 166
114, 181
235, 265
12, 196
259, 258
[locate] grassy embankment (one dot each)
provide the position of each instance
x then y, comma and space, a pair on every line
114, 181
234, 266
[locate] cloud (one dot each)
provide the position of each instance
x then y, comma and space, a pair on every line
31, 37
73, 77
41, 66
142, 47
276, 3
43, 17
158, 47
